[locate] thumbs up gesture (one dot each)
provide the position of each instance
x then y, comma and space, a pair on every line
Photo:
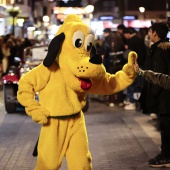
129, 67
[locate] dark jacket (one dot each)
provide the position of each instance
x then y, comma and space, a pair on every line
155, 99
137, 44
105, 50
106, 46
160, 79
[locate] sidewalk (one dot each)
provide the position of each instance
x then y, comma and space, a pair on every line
118, 139
121, 139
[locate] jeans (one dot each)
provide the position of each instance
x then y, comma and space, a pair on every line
136, 86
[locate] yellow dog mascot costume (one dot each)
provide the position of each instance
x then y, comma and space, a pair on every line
70, 70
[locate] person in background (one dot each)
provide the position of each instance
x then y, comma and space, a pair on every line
6, 52
26, 43
105, 54
134, 43
106, 48
1, 55
120, 30
156, 99
117, 61
147, 41
11, 43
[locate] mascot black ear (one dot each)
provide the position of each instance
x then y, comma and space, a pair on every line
53, 49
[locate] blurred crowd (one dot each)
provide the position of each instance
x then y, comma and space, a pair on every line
114, 48
11, 47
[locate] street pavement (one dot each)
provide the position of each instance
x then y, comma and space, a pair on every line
118, 139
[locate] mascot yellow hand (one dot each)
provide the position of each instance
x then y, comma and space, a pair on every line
40, 118
129, 67
39, 115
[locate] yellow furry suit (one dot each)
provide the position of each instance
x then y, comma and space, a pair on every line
70, 70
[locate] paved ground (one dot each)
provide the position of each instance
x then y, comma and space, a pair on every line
118, 139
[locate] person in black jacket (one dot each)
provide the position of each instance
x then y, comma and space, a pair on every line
155, 99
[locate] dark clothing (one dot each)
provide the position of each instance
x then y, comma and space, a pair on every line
165, 134
26, 43
105, 50
137, 44
1, 55
155, 99
112, 49
14, 53
160, 79
117, 42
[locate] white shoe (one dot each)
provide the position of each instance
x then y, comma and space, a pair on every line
130, 106
121, 104
153, 116
126, 101
111, 104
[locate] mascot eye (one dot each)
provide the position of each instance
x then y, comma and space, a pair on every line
89, 42
78, 39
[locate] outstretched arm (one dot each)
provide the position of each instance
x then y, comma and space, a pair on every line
113, 83
160, 79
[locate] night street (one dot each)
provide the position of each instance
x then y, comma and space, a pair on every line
55, 51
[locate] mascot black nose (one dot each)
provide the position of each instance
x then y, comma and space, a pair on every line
96, 59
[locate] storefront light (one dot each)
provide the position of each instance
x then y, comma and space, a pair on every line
69, 10
46, 24
89, 9
31, 28
55, 27
142, 9
91, 16
20, 22
46, 18
37, 32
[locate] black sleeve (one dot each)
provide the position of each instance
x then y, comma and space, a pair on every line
160, 79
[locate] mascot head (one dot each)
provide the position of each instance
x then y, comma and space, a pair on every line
72, 48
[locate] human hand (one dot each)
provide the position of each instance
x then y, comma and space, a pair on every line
138, 70
102, 57
136, 67
126, 47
